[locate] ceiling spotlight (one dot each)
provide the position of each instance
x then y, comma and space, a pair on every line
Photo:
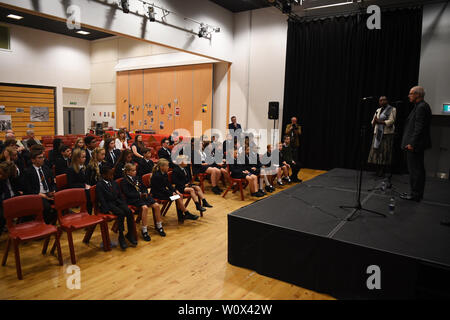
203, 32
84, 33
125, 6
15, 17
151, 14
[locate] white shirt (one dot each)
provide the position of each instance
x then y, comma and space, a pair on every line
121, 145
8, 183
41, 186
102, 143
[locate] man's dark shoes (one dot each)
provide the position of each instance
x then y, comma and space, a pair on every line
122, 242
410, 197
199, 207
180, 216
190, 216
206, 204
216, 190
131, 239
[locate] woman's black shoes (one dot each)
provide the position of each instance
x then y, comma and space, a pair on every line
180, 216
199, 207
257, 194
131, 239
216, 190
206, 204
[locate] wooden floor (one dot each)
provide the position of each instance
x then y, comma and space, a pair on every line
190, 263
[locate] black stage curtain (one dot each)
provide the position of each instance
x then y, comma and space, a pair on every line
331, 64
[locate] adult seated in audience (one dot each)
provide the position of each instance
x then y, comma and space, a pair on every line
30, 137
111, 201
136, 195
182, 179
121, 140
145, 164
112, 154
11, 135
10, 153
39, 179
93, 171
239, 171
162, 190
125, 157
165, 153
63, 162
105, 136
54, 153
137, 148
200, 165
288, 156
79, 144
91, 144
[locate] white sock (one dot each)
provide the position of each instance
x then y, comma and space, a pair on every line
266, 181
159, 225
144, 229
261, 182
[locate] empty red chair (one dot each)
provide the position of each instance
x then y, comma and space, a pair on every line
61, 182
71, 221
33, 230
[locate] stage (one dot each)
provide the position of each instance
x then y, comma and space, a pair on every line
301, 236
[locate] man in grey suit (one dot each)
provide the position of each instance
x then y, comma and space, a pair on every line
416, 139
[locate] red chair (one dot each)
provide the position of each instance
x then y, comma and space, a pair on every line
61, 182
236, 184
146, 179
37, 229
201, 177
71, 221
107, 217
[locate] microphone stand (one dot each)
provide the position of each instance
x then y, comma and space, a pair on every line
358, 208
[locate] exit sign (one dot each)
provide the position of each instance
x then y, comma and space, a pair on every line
73, 103
446, 108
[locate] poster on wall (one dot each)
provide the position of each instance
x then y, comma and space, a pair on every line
30, 126
124, 117
20, 110
151, 120
112, 115
5, 123
177, 111
145, 122
169, 116
161, 125
109, 114
39, 114
2, 109
162, 109
140, 123
204, 108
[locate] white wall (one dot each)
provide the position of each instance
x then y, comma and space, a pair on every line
98, 14
435, 55
258, 69
46, 59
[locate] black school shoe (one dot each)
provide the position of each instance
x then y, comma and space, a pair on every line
190, 216
146, 236
131, 239
161, 231
206, 204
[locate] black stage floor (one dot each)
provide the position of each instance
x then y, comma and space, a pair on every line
301, 236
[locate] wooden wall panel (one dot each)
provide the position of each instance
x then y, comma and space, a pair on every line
188, 87
136, 99
122, 99
183, 92
24, 97
151, 99
166, 97
203, 82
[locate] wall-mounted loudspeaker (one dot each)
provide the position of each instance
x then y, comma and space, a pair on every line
274, 109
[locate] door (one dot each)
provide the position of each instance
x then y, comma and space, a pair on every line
73, 121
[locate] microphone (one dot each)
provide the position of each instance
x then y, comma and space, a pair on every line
367, 98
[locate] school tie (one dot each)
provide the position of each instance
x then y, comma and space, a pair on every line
113, 157
44, 182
